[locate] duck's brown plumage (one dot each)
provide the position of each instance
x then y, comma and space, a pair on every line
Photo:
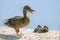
18, 21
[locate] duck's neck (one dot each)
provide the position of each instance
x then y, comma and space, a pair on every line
25, 13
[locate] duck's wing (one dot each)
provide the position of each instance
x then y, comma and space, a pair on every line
18, 20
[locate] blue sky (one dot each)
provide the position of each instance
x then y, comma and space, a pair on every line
47, 12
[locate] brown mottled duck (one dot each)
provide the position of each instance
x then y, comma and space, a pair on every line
18, 22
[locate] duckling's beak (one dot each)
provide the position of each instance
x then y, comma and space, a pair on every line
31, 11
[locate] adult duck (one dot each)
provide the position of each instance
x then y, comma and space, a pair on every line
18, 22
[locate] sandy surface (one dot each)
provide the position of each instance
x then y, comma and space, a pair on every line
9, 34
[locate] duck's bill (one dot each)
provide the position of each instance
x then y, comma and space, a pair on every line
31, 11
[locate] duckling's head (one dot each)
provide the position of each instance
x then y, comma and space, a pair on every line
39, 26
28, 9
45, 27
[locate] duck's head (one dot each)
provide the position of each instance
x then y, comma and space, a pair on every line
28, 9
45, 26
39, 26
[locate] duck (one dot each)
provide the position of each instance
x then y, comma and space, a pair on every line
18, 22
38, 29
45, 29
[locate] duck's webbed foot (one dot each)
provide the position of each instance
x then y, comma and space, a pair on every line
18, 34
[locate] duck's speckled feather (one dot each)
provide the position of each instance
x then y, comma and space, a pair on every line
17, 21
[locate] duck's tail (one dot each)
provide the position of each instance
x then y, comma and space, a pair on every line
3, 21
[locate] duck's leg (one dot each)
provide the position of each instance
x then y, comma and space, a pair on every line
17, 31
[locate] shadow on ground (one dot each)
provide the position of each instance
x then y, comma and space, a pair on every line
8, 37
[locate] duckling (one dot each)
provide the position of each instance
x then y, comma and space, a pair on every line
45, 29
18, 22
38, 29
